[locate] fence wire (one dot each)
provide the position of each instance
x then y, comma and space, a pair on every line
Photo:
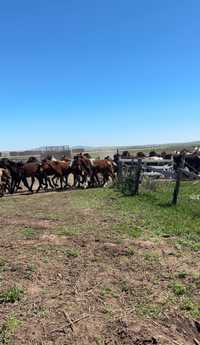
160, 189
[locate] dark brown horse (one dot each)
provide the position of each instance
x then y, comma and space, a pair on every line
4, 181
20, 172
34, 171
82, 170
140, 154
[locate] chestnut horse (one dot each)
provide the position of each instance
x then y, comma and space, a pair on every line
57, 169
88, 170
104, 167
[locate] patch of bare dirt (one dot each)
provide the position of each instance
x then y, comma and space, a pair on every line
33, 290
35, 223
173, 331
113, 249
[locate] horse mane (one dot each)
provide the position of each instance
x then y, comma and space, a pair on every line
32, 160
87, 155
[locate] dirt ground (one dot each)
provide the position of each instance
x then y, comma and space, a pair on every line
70, 275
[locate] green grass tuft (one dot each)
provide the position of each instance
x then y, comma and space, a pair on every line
192, 308
178, 289
11, 295
9, 328
182, 275
68, 231
74, 253
29, 233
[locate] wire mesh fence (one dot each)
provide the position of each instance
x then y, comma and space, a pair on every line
133, 180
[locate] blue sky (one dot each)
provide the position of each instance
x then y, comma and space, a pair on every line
99, 72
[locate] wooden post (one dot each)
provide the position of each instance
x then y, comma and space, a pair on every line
177, 187
119, 169
137, 176
178, 181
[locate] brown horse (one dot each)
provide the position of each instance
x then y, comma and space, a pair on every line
30, 170
62, 170
19, 172
88, 170
140, 154
105, 168
5, 179
57, 169
82, 170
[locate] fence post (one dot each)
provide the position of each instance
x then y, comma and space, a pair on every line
178, 181
137, 176
119, 169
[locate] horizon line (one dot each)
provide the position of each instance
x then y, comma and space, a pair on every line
88, 147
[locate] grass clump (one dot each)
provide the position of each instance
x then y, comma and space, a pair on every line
29, 233
11, 295
196, 280
148, 310
124, 229
178, 289
9, 328
30, 270
2, 265
192, 308
68, 231
182, 275
125, 286
151, 256
108, 292
72, 253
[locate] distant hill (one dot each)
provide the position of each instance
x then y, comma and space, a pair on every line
110, 149
143, 147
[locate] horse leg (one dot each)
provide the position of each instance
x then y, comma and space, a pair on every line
17, 184
75, 180
45, 179
96, 181
107, 174
66, 181
84, 180
13, 185
50, 183
61, 182
110, 174
88, 180
78, 181
8, 186
40, 181
24, 180
32, 182
53, 181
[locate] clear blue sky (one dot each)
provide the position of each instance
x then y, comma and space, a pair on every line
99, 72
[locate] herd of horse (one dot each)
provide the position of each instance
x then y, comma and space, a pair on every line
190, 159
51, 173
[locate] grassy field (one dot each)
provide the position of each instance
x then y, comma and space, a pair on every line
95, 267
110, 151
